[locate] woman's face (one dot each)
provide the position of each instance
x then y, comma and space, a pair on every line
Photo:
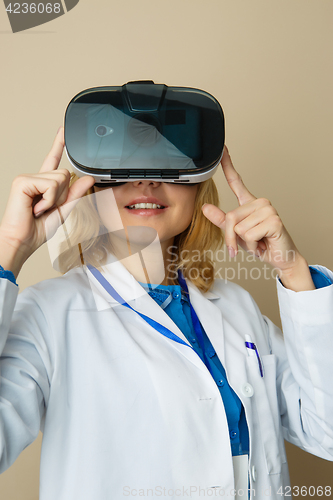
177, 203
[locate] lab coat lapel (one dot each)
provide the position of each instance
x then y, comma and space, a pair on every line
227, 342
146, 305
135, 295
210, 317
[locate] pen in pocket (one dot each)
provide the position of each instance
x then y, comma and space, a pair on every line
253, 351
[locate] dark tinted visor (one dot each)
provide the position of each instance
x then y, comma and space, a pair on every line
144, 126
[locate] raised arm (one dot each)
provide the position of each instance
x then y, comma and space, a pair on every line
256, 226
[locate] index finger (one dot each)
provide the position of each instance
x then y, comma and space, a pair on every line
234, 179
52, 160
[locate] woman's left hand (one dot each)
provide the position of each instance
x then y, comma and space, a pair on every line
256, 226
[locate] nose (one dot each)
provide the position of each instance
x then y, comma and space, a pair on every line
145, 183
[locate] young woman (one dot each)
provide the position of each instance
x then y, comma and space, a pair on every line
150, 380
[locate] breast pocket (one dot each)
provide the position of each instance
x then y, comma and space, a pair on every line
267, 410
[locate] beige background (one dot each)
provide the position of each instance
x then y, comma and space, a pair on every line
269, 63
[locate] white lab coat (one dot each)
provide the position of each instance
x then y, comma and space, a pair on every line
127, 412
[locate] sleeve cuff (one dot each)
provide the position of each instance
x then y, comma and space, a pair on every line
310, 306
319, 279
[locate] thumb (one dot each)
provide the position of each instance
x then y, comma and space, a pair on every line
58, 215
214, 214
80, 187
75, 193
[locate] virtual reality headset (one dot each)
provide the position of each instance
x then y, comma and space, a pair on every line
142, 130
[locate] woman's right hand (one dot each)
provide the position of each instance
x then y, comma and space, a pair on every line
33, 197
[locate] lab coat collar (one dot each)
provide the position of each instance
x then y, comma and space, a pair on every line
208, 313
135, 295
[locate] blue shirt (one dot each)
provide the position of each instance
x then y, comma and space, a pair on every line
319, 279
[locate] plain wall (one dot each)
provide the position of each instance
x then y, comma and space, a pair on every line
268, 62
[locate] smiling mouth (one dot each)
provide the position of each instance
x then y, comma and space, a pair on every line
146, 206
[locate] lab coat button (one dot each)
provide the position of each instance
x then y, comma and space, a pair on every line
175, 295
233, 434
254, 472
220, 383
247, 390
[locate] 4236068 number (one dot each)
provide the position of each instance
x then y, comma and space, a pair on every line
34, 8
304, 491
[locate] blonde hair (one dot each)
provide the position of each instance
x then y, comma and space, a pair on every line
193, 248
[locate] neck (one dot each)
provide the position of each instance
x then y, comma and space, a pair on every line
151, 263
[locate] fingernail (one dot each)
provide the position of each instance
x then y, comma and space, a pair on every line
232, 252
39, 213
59, 129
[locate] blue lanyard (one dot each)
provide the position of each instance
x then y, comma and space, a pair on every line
160, 328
